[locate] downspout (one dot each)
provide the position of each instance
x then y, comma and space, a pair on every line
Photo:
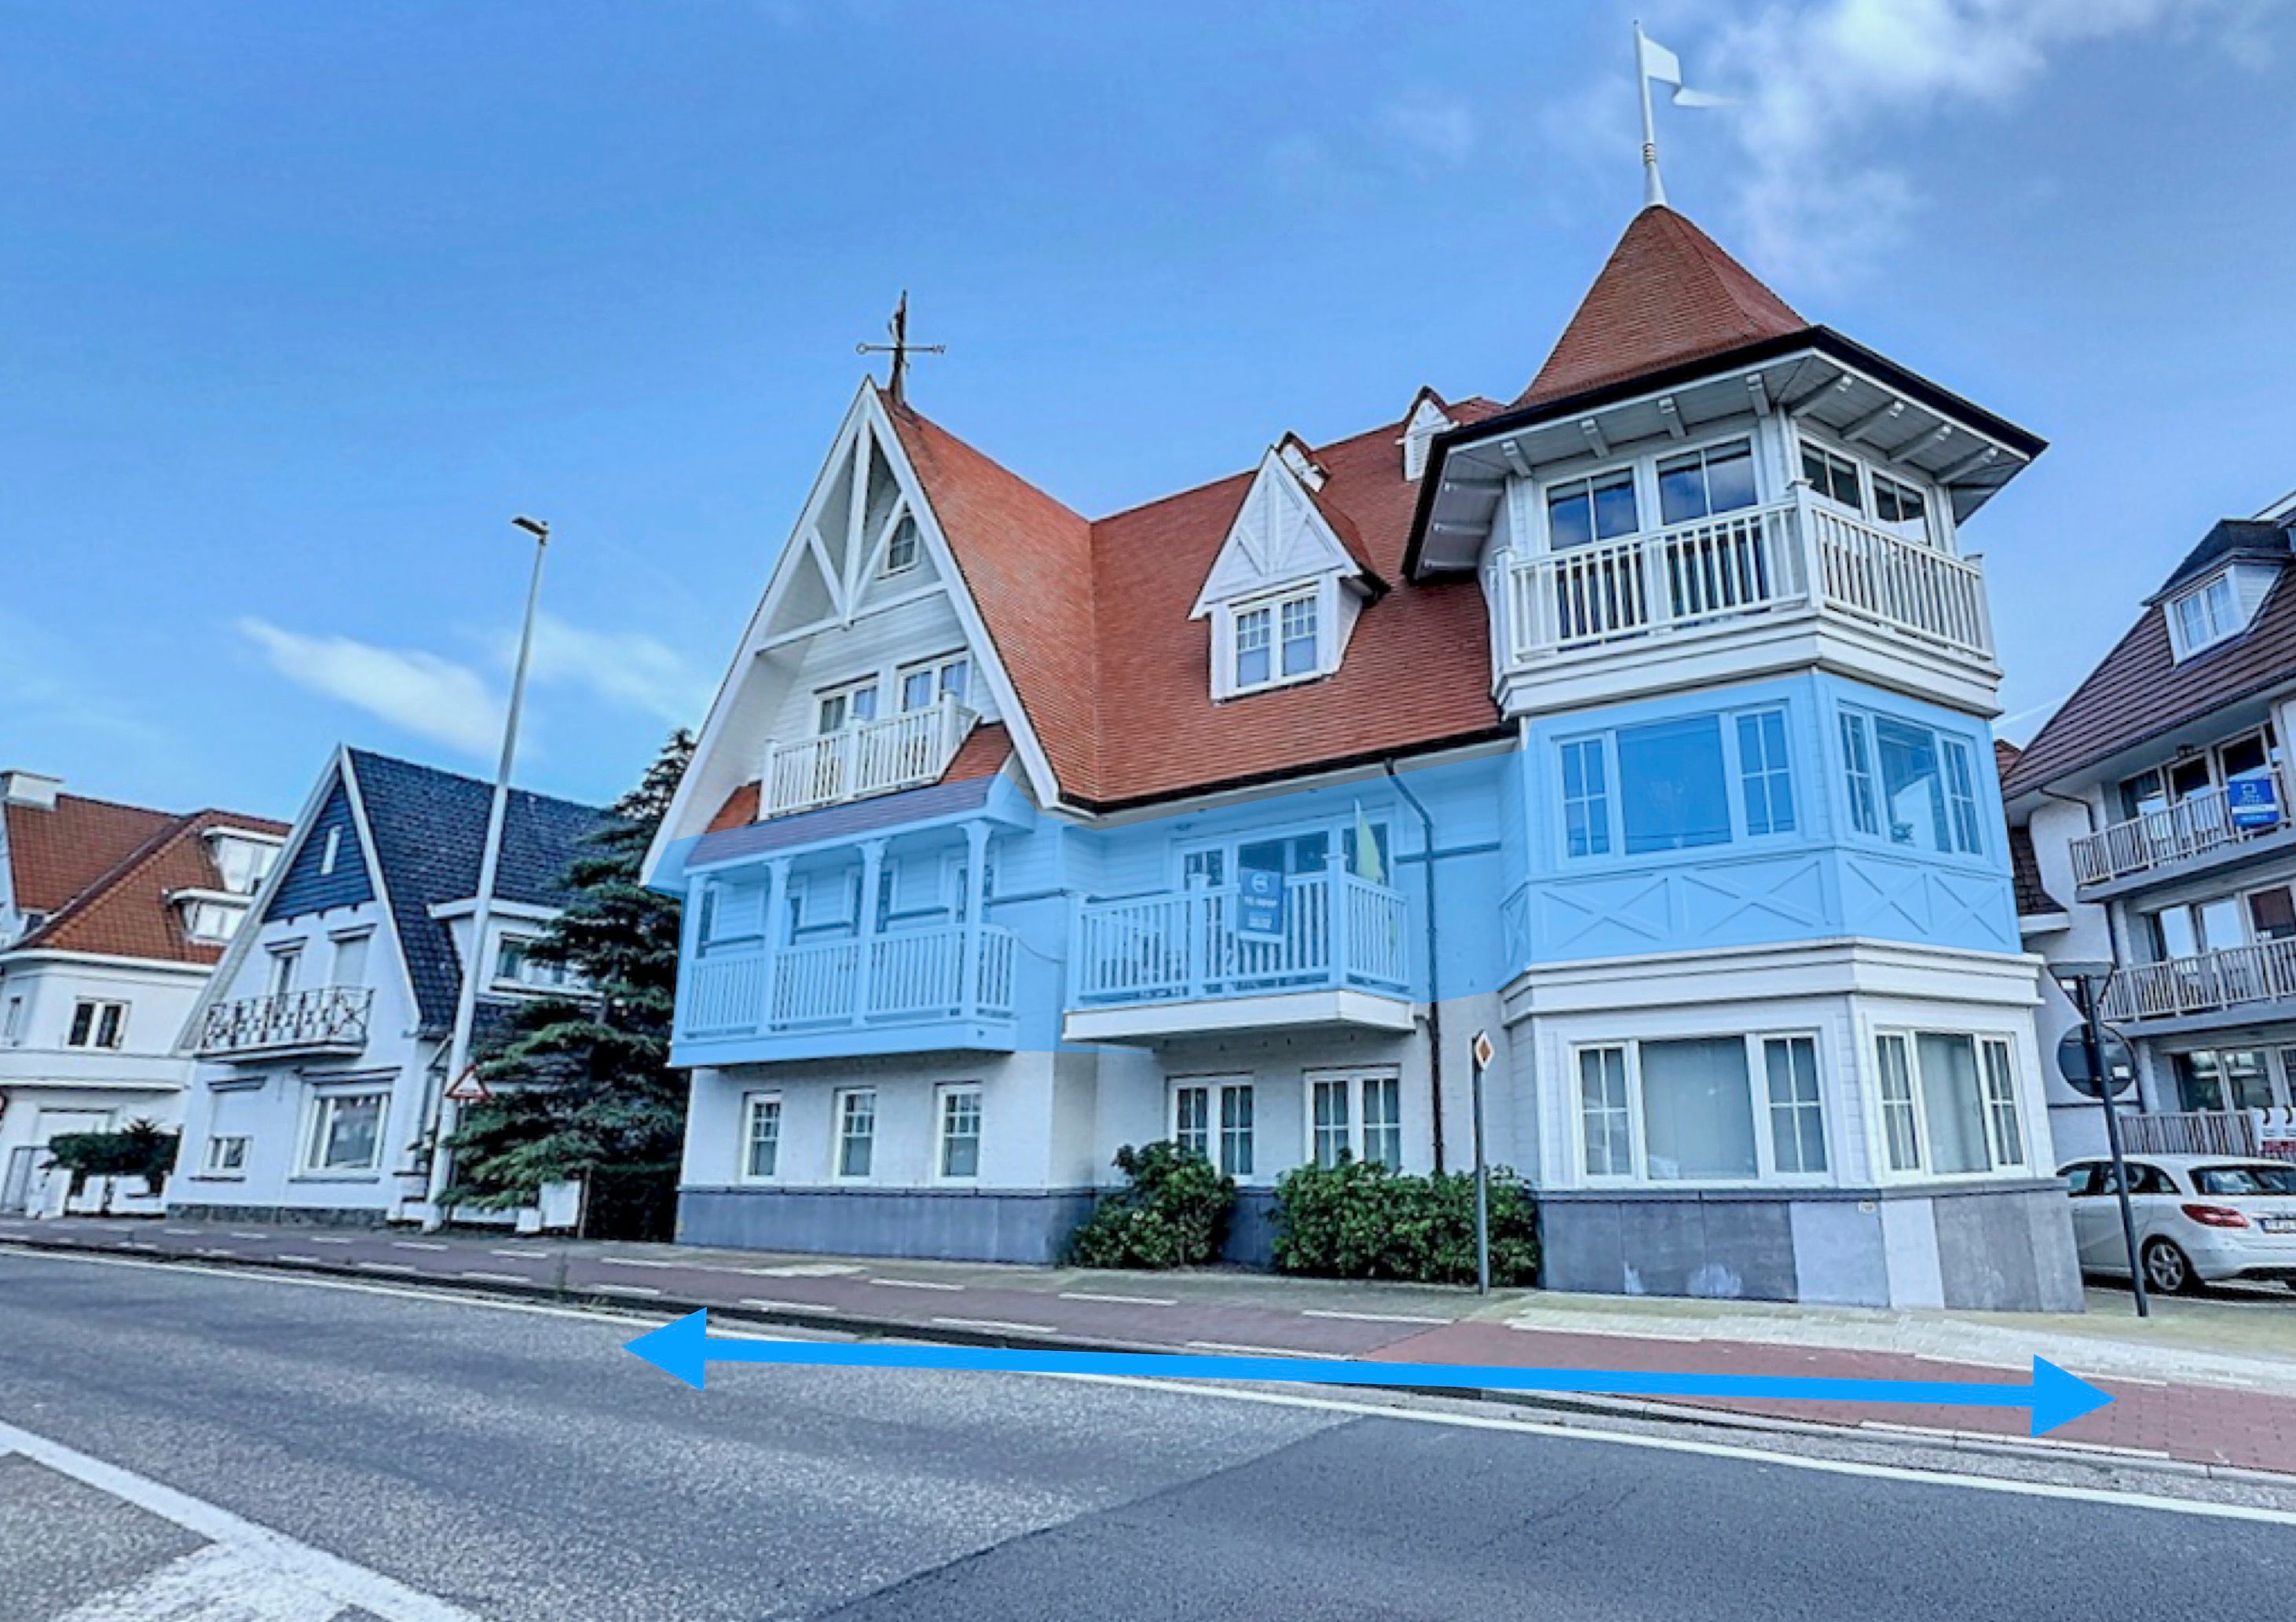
1434, 1003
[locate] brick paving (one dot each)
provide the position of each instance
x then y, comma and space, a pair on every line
2197, 1421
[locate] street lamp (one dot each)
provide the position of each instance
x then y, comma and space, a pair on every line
443, 1112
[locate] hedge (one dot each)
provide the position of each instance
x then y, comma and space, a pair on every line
1363, 1220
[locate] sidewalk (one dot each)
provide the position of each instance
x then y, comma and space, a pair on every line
2208, 1384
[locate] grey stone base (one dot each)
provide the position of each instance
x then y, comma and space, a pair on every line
285, 1216
940, 1225
2004, 1247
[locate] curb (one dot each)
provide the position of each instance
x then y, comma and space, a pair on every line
2038, 1452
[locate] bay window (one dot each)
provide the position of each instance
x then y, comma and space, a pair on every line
1698, 484
1949, 1103
1911, 784
1673, 781
1735, 1109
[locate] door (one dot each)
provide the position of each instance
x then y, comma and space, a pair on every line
16, 1187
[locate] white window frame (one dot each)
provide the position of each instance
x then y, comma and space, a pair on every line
1613, 832
1320, 598
753, 1105
331, 850
320, 1116
1766, 1173
937, 668
839, 1105
2220, 621
1336, 830
1352, 1086
1996, 1090
11, 1028
219, 1161
282, 967
103, 1013
946, 1099
1704, 454
1215, 1090
894, 563
846, 693
1862, 781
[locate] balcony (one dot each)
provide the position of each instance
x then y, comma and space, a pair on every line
2175, 840
903, 751
1792, 558
322, 1020
1175, 963
799, 1000
2240, 982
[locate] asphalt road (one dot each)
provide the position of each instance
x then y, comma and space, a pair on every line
517, 1464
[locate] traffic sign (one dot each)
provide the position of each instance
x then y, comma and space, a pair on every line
468, 1089
1482, 1050
2072, 1062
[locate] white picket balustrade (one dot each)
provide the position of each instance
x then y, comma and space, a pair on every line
2206, 983
1184, 944
2173, 833
914, 974
1908, 585
903, 751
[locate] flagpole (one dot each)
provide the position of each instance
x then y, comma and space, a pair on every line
1653, 189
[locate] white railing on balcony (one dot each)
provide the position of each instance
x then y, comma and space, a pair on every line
2236, 1134
2207, 983
903, 751
332, 1017
2174, 834
913, 975
1792, 556
1183, 945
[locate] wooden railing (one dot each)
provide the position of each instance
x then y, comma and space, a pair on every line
2189, 828
1792, 556
332, 1017
913, 975
2206, 983
1181, 946
903, 751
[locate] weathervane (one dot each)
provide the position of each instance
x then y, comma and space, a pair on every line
900, 349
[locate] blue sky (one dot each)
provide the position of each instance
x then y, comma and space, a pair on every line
299, 304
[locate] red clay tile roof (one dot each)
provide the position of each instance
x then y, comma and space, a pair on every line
2140, 692
1667, 295
55, 855
123, 912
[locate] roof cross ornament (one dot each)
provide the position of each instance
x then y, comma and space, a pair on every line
900, 349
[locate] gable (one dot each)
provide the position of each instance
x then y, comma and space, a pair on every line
309, 886
1279, 538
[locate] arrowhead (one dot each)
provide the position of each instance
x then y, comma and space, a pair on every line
2058, 1398
680, 1348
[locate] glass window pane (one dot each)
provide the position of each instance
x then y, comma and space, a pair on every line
1586, 799
1961, 797
1730, 478
1602, 1110
1671, 787
1569, 517
1951, 1107
1298, 637
1235, 1131
1698, 1118
1614, 506
1766, 782
1797, 1112
1252, 662
1383, 1121
765, 1137
960, 1139
1682, 490
1331, 1111
1913, 785
1900, 1124
2001, 1106
1192, 1120
1857, 764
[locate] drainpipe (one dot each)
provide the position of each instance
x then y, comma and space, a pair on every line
1434, 1005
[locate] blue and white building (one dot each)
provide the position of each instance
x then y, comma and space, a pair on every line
1640, 722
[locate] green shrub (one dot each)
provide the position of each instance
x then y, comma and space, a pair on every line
1172, 1212
138, 1150
1358, 1220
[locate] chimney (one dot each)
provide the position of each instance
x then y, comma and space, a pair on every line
19, 788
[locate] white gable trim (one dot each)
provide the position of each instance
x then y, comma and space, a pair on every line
1279, 537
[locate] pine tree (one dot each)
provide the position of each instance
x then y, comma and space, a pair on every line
582, 1082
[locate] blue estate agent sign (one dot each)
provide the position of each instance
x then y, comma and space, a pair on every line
2254, 802
1259, 904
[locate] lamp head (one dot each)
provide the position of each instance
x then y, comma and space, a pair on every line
534, 527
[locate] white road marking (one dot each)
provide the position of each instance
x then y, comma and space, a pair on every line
1251, 1351
417, 1244
521, 1255
1120, 1300
1373, 1317
1743, 1453
995, 1326
798, 1270
290, 1256
388, 1268
162, 1230
634, 1261
914, 1284
641, 1290
278, 1558
213, 1582
498, 1278
324, 1238
769, 1305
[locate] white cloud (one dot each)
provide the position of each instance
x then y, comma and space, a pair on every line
423, 693
624, 667
1431, 128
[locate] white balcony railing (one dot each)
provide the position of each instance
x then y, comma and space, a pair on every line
2242, 1134
2174, 834
320, 1019
1792, 556
903, 751
1181, 946
2207, 983
913, 975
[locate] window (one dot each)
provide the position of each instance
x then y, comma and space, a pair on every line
761, 1135
1797, 1109
1586, 799
346, 1132
286, 966
1698, 1119
960, 1131
97, 1024
1601, 508
1357, 1116
2206, 615
1901, 506
904, 549
515, 964
2192, 928
331, 850
1765, 780
1926, 797
2272, 913
212, 920
1605, 1112
1277, 641
2236, 1181
1670, 785
847, 706
1948, 1102
1192, 1120
13, 1029
857, 1132
2222, 1079
1252, 668
350, 960
1235, 1131
1193, 1107
1833, 477
226, 1157
1698, 484
1297, 616
922, 685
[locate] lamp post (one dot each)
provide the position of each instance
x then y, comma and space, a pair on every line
443, 1111
2085, 981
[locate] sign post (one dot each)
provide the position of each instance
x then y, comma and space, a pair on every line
2104, 1075
1481, 1052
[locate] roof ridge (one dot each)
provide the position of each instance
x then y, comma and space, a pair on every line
904, 408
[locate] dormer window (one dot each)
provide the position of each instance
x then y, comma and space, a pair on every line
2205, 616
1277, 641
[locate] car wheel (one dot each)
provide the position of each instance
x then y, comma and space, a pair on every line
2167, 1270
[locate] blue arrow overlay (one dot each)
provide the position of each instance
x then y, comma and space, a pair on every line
684, 1349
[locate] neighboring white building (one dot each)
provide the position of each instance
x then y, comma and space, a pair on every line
110, 918
2155, 804
322, 1040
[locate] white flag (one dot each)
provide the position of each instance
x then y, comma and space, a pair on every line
1663, 65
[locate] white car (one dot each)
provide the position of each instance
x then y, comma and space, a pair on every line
2201, 1218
